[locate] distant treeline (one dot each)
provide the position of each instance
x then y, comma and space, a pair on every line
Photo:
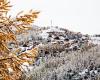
97, 35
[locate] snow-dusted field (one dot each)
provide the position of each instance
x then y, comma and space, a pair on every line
95, 40
69, 66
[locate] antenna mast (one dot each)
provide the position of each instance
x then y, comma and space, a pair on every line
51, 23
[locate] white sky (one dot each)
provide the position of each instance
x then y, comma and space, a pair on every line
76, 15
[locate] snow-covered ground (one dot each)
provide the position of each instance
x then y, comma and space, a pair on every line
45, 34
95, 40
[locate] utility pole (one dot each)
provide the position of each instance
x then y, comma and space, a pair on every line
51, 24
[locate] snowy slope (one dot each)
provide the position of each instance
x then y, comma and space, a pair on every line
95, 40
45, 34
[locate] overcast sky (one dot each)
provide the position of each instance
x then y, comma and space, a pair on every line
76, 15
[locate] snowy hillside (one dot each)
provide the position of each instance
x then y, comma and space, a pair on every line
45, 32
95, 40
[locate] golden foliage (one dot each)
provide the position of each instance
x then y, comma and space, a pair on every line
13, 63
29, 56
9, 62
20, 23
27, 18
4, 6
